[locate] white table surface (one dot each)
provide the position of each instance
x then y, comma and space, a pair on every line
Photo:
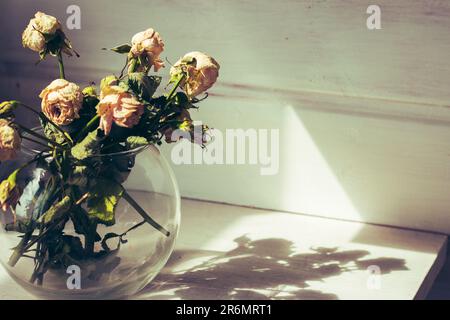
230, 252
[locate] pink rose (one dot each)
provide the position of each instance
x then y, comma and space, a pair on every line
202, 72
61, 101
120, 107
33, 36
148, 44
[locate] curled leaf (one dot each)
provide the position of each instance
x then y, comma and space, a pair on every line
143, 85
88, 146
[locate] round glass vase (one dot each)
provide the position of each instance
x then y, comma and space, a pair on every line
121, 264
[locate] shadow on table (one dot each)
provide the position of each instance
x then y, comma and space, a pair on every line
260, 269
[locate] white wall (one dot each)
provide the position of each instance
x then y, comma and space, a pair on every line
363, 115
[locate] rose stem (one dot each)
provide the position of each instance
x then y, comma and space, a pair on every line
51, 227
36, 158
123, 69
88, 125
35, 141
133, 227
54, 143
144, 214
23, 247
62, 74
171, 93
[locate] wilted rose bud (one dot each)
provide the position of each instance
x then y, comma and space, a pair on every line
42, 25
9, 141
187, 128
120, 107
89, 91
184, 124
201, 72
9, 192
61, 101
7, 107
200, 134
148, 45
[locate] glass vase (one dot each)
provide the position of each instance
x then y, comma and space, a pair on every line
123, 257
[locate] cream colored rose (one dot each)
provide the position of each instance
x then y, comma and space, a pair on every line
9, 141
119, 107
61, 101
202, 72
148, 43
42, 23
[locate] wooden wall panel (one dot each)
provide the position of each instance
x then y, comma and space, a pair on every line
363, 115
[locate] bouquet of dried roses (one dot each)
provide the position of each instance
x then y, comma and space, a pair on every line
79, 124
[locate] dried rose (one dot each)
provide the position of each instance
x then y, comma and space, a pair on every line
61, 101
149, 45
9, 141
201, 72
40, 26
120, 107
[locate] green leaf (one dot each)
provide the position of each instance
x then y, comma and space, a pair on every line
79, 176
108, 81
143, 85
51, 132
181, 100
124, 48
57, 211
134, 142
81, 222
89, 91
88, 146
105, 196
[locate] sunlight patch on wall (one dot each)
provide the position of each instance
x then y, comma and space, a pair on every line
309, 184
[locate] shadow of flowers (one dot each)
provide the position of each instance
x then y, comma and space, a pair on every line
260, 269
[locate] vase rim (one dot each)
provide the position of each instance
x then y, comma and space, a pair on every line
35, 151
